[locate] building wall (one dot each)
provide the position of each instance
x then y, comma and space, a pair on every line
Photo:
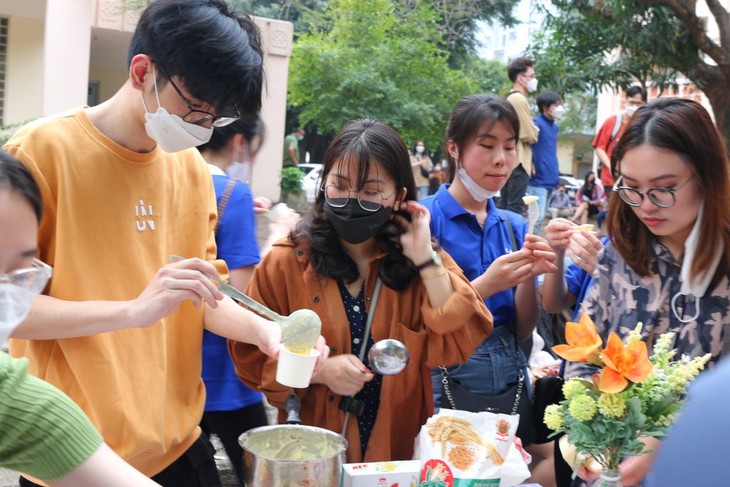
24, 74
277, 37
110, 80
56, 47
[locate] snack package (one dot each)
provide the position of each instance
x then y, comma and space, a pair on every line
386, 474
480, 448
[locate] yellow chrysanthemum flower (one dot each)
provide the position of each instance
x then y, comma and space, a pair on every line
612, 405
553, 418
583, 408
573, 388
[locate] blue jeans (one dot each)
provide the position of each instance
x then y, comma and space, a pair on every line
544, 196
490, 370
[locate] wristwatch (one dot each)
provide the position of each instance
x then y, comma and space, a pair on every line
434, 260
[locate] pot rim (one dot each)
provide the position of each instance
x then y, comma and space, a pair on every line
313, 429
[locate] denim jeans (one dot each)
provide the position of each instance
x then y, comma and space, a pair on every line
544, 196
490, 370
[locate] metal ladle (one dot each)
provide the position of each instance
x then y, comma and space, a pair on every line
388, 357
299, 330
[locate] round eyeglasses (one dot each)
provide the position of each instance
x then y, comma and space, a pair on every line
34, 278
201, 117
661, 197
370, 200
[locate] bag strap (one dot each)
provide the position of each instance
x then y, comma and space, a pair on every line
366, 333
512, 238
616, 126
224, 202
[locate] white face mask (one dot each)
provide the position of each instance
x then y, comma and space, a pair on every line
696, 287
557, 112
14, 307
631, 109
170, 131
420, 149
477, 192
240, 171
532, 85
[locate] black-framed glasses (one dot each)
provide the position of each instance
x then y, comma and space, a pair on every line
661, 197
370, 200
33, 278
200, 117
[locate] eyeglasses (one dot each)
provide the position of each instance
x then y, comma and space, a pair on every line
370, 200
662, 197
34, 278
200, 117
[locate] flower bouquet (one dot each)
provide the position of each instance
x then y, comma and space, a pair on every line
632, 396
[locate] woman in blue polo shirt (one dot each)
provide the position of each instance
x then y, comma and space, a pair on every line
490, 245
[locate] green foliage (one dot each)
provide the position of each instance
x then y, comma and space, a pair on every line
590, 45
490, 76
580, 114
379, 59
7, 131
291, 180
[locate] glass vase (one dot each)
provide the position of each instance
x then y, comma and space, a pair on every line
608, 478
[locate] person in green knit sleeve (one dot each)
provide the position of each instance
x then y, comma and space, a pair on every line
43, 432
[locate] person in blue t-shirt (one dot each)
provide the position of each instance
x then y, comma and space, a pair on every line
231, 408
490, 245
545, 167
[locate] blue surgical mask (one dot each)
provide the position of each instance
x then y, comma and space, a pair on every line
240, 171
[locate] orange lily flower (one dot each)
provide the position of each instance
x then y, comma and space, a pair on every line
623, 362
583, 341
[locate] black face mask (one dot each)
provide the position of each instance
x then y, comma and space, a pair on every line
355, 225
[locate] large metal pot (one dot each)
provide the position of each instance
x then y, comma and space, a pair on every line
292, 455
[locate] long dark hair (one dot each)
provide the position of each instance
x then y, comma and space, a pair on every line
364, 141
589, 186
685, 128
15, 177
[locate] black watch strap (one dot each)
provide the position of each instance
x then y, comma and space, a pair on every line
428, 263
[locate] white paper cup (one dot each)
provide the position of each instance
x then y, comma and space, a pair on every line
295, 369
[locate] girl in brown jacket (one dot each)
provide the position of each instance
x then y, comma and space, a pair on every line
366, 228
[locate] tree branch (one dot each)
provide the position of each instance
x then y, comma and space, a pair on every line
723, 21
696, 30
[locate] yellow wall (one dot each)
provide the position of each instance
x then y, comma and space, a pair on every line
110, 80
565, 157
24, 75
